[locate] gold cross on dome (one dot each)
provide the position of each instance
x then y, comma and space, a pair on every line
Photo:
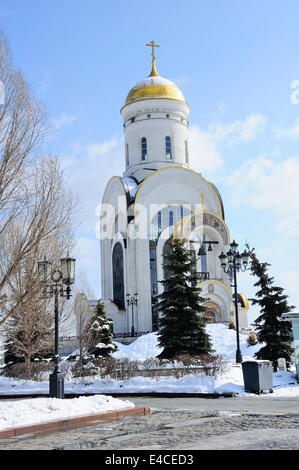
153, 45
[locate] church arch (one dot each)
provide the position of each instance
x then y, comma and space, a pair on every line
213, 313
210, 317
171, 177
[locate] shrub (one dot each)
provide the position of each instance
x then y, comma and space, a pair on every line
251, 340
211, 364
37, 371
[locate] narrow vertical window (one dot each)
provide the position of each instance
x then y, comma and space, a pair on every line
186, 152
118, 276
127, 154
159, 222
168, 152
143, 149
181, 212
170, 218
116, 225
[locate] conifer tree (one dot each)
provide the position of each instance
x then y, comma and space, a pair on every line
270, 329
99, 334
181, 327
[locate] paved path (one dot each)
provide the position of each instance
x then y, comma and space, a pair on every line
257, 423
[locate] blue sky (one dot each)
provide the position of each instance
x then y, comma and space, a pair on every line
235, 62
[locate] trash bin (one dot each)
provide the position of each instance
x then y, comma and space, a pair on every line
257, 376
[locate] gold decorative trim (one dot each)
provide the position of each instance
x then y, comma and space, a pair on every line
154, 98
108, 182
218, 282
155, 90
112, 303
194, 214
246, 303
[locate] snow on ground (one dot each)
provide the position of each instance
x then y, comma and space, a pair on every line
223, 341
143, 347
38, 410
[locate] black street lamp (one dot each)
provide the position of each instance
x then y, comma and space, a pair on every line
61, 278
233, 262
132, 300
202, 251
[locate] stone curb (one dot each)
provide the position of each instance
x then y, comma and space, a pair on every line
70, 423
126, 394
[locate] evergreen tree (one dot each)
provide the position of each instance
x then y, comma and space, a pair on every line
181, 327
271, 329
99, 334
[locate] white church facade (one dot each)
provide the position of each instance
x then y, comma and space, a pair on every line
159, 196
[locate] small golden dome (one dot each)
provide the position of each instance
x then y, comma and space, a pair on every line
154, 87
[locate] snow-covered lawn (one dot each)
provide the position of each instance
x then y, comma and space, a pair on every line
39, 410
223, 341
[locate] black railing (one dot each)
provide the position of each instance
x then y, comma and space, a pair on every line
130, 335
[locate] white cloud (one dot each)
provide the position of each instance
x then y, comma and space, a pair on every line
292, 133
87, 248
87, 254
204, 156
268, 185
238, 131
289, 280
289, 226
88, 169
64, 120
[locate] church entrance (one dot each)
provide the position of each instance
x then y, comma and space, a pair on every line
213, 313
210, 317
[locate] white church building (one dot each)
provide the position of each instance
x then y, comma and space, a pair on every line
159, 196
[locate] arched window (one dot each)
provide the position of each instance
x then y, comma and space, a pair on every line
168, 152
143, 149
118, 276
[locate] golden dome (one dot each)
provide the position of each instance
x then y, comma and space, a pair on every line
154, 87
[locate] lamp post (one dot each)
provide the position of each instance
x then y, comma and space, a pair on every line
202, 252
233, 262
62, 279
132, 300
